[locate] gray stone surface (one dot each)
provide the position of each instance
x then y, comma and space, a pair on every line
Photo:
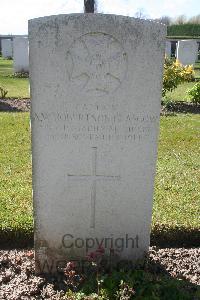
20, 54
168, 48
96, 90
187, 51
7, 48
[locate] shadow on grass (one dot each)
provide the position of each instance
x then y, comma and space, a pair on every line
181, 237
161, 236
171, 108
16, 239
14, 105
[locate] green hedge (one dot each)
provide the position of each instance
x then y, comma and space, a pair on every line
184, 30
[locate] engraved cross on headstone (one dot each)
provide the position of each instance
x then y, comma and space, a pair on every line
94, 177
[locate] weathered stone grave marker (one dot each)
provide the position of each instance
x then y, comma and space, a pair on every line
20, 54
7, 48
187, 51
95, 119
168, 49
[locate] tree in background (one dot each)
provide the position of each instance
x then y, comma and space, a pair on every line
182, 19
165, 20
140, 14
194, 20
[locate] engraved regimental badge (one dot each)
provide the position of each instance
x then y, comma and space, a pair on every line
97, 63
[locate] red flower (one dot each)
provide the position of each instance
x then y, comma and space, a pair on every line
92, 255
100, 250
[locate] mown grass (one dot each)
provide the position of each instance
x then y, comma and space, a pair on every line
15, 170
180, 93
16, 87
176, 189
176, 199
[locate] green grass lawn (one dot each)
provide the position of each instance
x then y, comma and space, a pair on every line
176, 190
15, 170
197, 64
16, 87
176, 200
180, 93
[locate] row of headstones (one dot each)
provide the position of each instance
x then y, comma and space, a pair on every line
17, 49
186, 51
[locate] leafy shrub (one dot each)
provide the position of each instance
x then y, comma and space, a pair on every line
3, 92
174, 74
194, 93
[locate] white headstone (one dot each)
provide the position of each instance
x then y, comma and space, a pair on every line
20, 54
95, 119
168, 49
6, 48
187, 51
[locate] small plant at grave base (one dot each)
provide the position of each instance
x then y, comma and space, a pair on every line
142, 282
95, 258
93, 283
73, 279
3, 92
21, 74
174, 74
194, 93
125, 292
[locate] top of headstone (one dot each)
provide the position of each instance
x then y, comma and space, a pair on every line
113, 40
75, 16
188, 40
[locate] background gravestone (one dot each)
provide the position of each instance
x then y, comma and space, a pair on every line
7, 48
96, 85
168, 49
187, 51
20, 54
